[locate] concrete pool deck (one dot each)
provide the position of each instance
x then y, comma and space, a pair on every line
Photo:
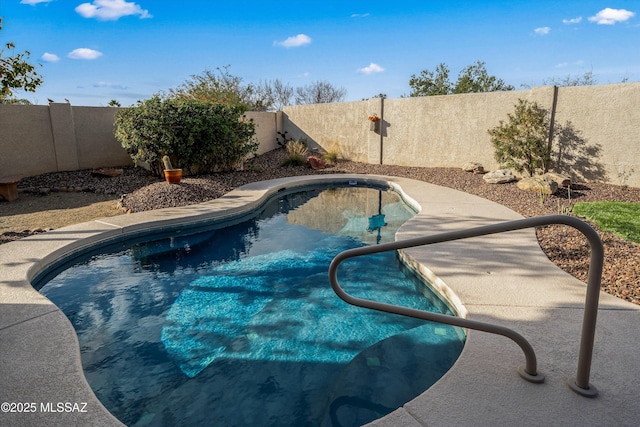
504, 279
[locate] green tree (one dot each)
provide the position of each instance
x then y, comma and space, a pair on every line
16, 72
523, 142
223, 87
473, 78
430, 83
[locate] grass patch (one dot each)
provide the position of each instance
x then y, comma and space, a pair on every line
620, 218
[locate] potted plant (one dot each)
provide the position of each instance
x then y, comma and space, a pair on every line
173, 176
374, 122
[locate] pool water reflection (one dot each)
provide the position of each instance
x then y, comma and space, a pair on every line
239, 326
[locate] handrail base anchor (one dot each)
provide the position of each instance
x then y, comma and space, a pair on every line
536, 379
586, 392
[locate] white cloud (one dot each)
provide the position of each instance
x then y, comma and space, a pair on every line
50, 57
110, 85
84, 53
567, 64
360, 15
572, 20
610, 16
295, 41
111, 10
542, 31
372, 68
34, 2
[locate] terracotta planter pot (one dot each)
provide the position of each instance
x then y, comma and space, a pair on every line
173, 176
374, 125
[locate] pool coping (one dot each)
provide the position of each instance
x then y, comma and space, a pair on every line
505, 279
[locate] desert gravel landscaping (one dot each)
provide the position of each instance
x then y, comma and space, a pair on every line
58, 199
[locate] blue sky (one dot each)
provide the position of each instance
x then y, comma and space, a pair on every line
95, 51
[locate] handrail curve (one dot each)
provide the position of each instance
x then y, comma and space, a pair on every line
580, 384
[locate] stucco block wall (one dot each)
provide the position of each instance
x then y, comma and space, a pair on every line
449, 130
96, 144
26, 141
427, 131
600, 142
606, 121
600, 139
37, 139
341, 127
266, 130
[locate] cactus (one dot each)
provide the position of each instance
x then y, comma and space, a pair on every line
167, 163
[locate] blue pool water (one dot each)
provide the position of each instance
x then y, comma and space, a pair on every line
238, 325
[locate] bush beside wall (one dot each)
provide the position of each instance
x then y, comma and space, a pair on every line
199, 137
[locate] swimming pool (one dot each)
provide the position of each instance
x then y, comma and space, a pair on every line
193, 329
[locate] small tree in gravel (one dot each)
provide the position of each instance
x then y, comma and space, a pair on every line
522, 143
198, 136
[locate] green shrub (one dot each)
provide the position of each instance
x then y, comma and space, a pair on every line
200, 137
522, 143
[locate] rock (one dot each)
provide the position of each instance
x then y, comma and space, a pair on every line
538, 185
44, 191
473, 167
315, 162
109, 172
562, 181
499, 176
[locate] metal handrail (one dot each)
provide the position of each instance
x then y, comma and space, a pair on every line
580, 384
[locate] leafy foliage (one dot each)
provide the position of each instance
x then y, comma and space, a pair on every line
473, 78
522, 142
16, 72
198, 136
430, 83
282, 139
222, 87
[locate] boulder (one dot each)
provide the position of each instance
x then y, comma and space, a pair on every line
315, 162
473, 167
562, 181
108, 172
538, 185
499, 176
